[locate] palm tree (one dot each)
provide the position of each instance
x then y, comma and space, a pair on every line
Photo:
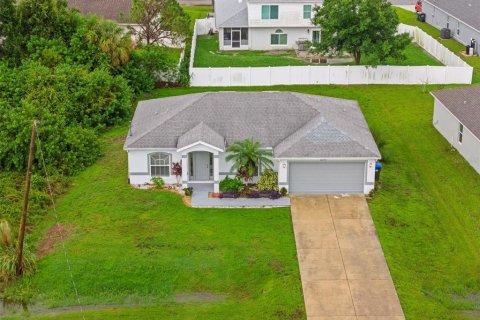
110, 38
246, 155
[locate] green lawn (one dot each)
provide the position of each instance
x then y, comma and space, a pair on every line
197, 12
208, 55
410, 18
138, 249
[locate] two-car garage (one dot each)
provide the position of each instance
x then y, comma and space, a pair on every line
326, 177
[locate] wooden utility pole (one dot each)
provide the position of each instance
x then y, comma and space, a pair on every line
21, 232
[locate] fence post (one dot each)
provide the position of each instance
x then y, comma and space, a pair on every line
446, 71
348, 75
329, 80
230, 76
269, 75
309, 74
250, 76
289, 75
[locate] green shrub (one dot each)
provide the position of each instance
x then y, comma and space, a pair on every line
229, 184
188, 191
158, 182
268, 180
283, 191
8, 255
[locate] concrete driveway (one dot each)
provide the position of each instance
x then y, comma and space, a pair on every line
342, 266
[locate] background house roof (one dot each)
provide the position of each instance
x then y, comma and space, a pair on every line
116, 10
231, 13
464, 104
295, 125
467, 11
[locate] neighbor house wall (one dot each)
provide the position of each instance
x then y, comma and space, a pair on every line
448, 125
289, 15
260, 37
460, 31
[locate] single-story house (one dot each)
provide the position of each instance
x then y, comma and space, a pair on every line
265, 25
457, 117
462, 17
319, 144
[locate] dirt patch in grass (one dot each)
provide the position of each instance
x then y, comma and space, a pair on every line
198, 297
54, 235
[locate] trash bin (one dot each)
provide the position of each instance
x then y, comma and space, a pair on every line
467, 49
378, 169
421, 16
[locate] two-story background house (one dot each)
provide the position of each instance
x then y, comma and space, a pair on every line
265, 25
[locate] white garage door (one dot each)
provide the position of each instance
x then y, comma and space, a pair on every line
326, 177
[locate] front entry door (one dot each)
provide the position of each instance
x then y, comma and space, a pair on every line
235, 38
201, 162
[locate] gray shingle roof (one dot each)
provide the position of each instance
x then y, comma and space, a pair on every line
204, 133
116, 10
231, 13
294, 124
466, 10
464, 104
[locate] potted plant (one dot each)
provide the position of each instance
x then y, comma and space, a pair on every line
177, 171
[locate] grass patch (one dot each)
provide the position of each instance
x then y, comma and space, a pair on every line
147, 253
208, 55
197, 12
410, 18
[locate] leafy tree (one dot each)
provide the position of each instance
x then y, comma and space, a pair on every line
160, 21
147, 66
360, 27
8, 31
246, 155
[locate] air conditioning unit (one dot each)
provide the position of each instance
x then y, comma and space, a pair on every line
302, 44
445, 33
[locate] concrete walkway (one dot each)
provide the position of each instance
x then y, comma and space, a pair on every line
343, 270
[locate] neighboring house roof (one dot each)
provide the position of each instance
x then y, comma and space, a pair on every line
231, 13
295, 125
464, 104
116, 10
467, 11
203, 133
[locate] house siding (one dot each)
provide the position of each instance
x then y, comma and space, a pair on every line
447, 124
438, 19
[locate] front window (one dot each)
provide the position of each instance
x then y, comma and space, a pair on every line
160, 164
307, 11
460, 132
227, 36
269, 12
244, 32
278, 38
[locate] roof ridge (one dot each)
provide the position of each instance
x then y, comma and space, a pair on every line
178, 110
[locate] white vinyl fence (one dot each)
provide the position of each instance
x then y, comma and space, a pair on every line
455, 71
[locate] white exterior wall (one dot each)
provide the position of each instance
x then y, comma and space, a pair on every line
460, 31
138, 165
289, 15
139, 171
260, 37
447, 124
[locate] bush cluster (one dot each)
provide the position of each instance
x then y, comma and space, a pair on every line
230, 185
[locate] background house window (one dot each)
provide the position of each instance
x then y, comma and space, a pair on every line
458, 28
307, 11
227, 36
448, 22
278, 38
160, 164
269, 12
460, 132
316, 36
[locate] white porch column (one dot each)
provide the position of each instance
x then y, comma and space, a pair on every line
216, 173
185, 167
283, 174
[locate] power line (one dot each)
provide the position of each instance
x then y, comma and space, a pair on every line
62, 239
